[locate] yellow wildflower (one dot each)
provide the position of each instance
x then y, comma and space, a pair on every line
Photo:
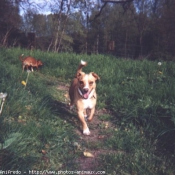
23, 83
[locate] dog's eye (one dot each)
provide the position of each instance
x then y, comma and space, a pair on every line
91, 82
81, 82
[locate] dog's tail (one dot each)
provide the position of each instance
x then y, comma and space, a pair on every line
81, 65
21, 57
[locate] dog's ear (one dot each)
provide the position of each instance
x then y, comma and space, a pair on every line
95, 75
79, 74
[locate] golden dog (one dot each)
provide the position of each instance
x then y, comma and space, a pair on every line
82, 93
30, 62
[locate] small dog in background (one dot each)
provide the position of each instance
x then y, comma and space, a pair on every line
82, 93
30, 62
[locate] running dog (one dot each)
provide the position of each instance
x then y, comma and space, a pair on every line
82, 93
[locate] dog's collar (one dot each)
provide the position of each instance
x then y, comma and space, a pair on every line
90, 95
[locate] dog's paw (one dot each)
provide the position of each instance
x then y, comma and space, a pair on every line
86, 117
71, 106
86, 132
89, 119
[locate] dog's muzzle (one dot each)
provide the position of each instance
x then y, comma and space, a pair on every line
85, 93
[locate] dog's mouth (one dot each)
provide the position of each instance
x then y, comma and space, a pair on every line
85, 94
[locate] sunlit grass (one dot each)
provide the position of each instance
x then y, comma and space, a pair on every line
37, 129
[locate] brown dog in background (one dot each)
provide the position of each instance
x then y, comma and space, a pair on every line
30, 62
82, 93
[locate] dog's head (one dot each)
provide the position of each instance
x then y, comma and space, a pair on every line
87, 83
39, 63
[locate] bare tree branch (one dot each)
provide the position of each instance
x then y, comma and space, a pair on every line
123, 2
98, 14
117, 1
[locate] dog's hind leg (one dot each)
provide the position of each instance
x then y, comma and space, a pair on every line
71, 104
71, 96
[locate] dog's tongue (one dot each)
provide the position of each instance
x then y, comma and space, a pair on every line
86, 95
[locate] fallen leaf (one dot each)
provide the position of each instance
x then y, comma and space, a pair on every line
43, 151
106, 125
20, 117
101, 136
88, 154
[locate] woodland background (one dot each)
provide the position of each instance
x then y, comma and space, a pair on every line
134, 126
137, 29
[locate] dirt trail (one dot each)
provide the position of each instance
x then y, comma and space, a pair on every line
94, 141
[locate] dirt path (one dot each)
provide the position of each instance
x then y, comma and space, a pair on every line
92, 143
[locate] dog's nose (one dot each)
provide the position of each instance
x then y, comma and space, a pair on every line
85, 90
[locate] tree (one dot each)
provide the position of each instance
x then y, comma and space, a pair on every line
77, 30
62, 10
167, 22
9, 21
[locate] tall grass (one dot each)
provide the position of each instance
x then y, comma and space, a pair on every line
139, 94
135, 155
28, 124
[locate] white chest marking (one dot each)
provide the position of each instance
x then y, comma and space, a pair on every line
87, 103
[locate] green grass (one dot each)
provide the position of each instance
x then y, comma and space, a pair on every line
140, 96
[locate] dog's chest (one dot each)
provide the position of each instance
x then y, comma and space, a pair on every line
88, 103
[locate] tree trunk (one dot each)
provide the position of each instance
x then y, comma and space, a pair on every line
97, 46
65, 22
58, 28
5, 38
126, 40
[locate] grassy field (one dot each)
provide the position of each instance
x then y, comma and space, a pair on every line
134, 126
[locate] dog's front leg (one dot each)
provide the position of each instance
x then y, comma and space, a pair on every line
85, 114
23, 67
92, 111
84, 124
